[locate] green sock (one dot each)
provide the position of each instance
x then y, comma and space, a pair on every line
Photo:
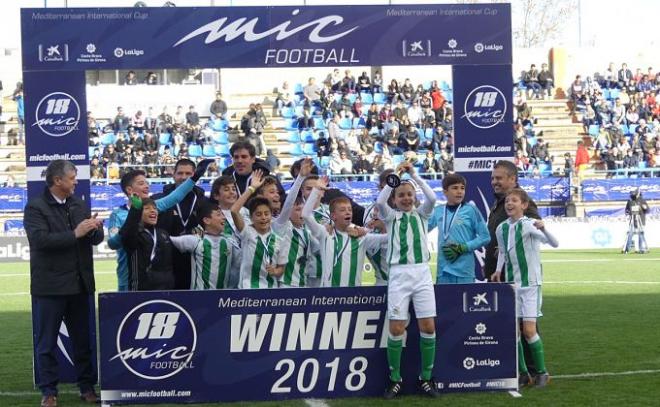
394, 348
538, 355
522, 366
427, 349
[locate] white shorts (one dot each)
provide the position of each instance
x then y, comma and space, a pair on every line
408, 282
528, 304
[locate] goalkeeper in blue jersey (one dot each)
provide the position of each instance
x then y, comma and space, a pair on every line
518, 242
461, 231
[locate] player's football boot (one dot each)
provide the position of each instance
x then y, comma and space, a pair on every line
392, 390
541, 380
525, 380
428, 387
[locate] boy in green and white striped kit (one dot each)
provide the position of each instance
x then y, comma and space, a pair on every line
409, 277
322, 216
211, 254
262, 258
373, 220
343, 252
518, 241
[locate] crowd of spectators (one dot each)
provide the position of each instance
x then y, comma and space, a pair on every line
621, 114
362, 125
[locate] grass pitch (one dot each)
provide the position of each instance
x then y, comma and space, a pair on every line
600, 333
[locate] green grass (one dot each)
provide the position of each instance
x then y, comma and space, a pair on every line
601, 316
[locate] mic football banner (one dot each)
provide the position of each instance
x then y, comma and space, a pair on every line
271, 344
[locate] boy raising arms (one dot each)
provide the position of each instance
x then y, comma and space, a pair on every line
409, 277
211, 253
342, 252
262, 259
461, 231
518, 240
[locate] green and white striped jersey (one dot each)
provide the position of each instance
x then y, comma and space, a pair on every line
407, 243
211, 260
519, 251
377, 257
258, 251
297, 245
343, 256
322, 214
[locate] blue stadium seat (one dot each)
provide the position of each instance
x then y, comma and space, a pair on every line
298, 88
195, 150
220, 125
444, 86
531, 141
594, 130
288, 112
309, 149
319, 124
614, 93
427, 85
449, 96
293, 136
367, 98
299, 111
378, 147
420, 134
345, 123
631, 129
309, 136
222, 150
208, 150
352, 97
91, 152
379, 98
220, 137
545, 169
296, 149
165, 138
428, 133
325, 161
397, 159
108, 138
298, 99
291, 124
359, 123
224, 162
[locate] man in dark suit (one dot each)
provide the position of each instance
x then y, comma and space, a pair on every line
61, 232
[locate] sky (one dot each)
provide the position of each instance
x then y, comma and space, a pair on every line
605, 23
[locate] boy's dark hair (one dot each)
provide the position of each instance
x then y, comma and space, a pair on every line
312, 177
221, 182
451, 179
295, 168
205, 210
128, 178
243, 145
148, 202
255, 202
520, 193
184, 161
509, 166
299, 200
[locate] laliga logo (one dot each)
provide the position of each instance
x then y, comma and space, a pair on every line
156, 340
215, 30
57, 114
485, 107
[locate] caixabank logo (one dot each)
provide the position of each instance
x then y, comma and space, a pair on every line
156, 340
485, 107
57, 114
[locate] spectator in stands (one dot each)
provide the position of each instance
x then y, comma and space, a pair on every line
581, 158
109, 154
136, 142
179, 121
192, 122
644, 85
631, 160
644, 110
569, 167
96, 169
589, 115
366, 141
358, 107
546, 80
348, 82
632, 117
151, 79
609, 77
608, 158
165, 122
438, 103
407, 91
345, 106
521, 162
446, 162
409, 139
151, 121
540, 151
121, 121
531, 81
322, 145
151, 142
311, 92
399, 110
431, 167
341, 164
618, 113
364, 83
137, 122
272, 161
576, 90
414, 113
166, 161
284, 97
377, 83
130, 79
373, 117
334, 80
393, 91
624, 76
604, 114
363, 166
219, 106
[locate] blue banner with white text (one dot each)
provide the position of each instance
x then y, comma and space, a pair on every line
273, 344
238, 37
619, 189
